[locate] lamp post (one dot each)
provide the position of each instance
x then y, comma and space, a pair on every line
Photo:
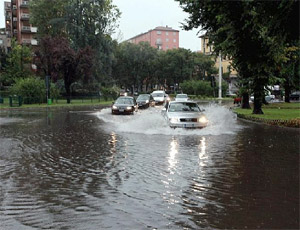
220, 76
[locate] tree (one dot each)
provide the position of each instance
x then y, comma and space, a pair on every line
61, 61
18, 64
251, 33
49, 16
84, 23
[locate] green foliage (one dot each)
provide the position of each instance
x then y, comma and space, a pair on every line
32, 90
110, 92
18, 64
84, 23
54, 91
252, 33
201, 88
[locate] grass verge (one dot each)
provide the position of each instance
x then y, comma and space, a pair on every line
59, 103
281, 114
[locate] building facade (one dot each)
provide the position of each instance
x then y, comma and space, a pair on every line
17, 24
162, 38
207, 49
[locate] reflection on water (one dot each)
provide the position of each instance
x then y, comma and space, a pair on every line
76, 171
172, 155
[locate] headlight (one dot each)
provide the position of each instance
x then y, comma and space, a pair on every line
168, 99
128, 107
173, 120
115, 107
203, 119
147, 101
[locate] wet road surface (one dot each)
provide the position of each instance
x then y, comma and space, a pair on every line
91, 170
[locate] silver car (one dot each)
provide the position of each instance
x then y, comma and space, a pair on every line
184, 115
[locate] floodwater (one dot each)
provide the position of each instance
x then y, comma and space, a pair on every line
91, 170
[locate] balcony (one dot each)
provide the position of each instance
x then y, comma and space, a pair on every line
26, 29
15, 31
14, 7
33, 29
7, 6
24, 4
25, 17
26, 41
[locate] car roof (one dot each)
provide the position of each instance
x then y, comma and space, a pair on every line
182, 94
144, 94
174, 102
125, 97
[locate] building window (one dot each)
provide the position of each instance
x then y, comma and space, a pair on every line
167, 33
158, 41
174, 33
167, 39
174, 40
167, 47
1, 41
158, 32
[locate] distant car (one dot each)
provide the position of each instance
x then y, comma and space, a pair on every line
145, 100
160, 96
268, 98
184, 115
124, 105
181, 97
295, 95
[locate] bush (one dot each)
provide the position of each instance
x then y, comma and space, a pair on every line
201, 88
32, 90
110, 92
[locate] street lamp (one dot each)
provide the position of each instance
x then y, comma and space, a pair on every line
220, 76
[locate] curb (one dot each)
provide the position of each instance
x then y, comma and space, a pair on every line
294, 123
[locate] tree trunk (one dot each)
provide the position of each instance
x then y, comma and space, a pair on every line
287, 92
258, 101
245, 101
68, 91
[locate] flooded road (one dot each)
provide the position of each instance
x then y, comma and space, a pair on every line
91, 170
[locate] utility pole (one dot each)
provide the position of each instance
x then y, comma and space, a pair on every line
220, 76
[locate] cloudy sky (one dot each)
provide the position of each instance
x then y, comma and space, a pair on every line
139, 16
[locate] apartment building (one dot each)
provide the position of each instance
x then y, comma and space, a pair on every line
207, 49
162, 38
17, 24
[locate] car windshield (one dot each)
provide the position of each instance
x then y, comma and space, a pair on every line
143, 97
158, 95
179, 107
124, 101
181, 96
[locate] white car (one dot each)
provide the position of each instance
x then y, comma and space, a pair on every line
160, 96
181, 97
184, 115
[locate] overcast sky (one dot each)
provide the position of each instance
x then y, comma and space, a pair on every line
139, 16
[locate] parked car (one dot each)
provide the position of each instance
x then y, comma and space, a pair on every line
268, 98
181, 97
124, 105
184, 115
145, 100
160, 96
295, 95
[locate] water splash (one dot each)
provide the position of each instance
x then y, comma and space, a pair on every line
150, 121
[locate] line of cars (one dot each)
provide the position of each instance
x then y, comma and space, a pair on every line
180, 113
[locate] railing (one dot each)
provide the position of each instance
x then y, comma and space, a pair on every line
25, 16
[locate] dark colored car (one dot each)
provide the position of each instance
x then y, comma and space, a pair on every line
145, 100
124, 105
295, 95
